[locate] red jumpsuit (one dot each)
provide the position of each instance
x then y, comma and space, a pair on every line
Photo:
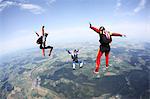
104, 47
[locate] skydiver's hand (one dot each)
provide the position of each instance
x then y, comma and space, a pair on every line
67, 50
90, 24
124, 35
77, 50
37, 34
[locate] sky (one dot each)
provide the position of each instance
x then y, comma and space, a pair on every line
68, 21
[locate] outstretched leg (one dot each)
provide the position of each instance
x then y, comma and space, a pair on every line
81, 64
73, 65
49, 47
98, 60
107, 59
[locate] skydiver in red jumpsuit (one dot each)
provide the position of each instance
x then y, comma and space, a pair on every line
105, 40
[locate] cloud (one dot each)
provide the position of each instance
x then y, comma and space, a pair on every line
118, 5
32, 8
3, 5
140, 6
118, 9
49, 2
35, 9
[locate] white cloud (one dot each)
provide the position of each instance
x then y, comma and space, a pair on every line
32, 8
118, 5
50, 1
35, 9
140, 6
3, 5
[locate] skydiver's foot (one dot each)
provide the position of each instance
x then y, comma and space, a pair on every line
81, 66
110, 65
95, 72
49, 54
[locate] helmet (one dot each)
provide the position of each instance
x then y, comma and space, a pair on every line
75, 50
46, 34
102, 28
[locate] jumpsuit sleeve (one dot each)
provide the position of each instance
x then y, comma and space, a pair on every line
115, 34
42, 30
95, 29
37, 34
69, 52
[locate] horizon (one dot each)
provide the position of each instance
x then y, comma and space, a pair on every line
78, 45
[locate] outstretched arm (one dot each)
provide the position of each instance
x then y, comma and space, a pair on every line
37, 34
42, 30
68, 51
95, 29
78, 51
116, 34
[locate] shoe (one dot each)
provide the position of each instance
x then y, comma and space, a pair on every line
49, 54
81, 66
95, 72
73, 66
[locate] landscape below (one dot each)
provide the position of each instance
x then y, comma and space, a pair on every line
28, 75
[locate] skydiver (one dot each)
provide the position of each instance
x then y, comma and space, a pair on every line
105, 40
75, 60
42, 41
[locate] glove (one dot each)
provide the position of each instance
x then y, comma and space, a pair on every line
124, 35
66, 50
90, 24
